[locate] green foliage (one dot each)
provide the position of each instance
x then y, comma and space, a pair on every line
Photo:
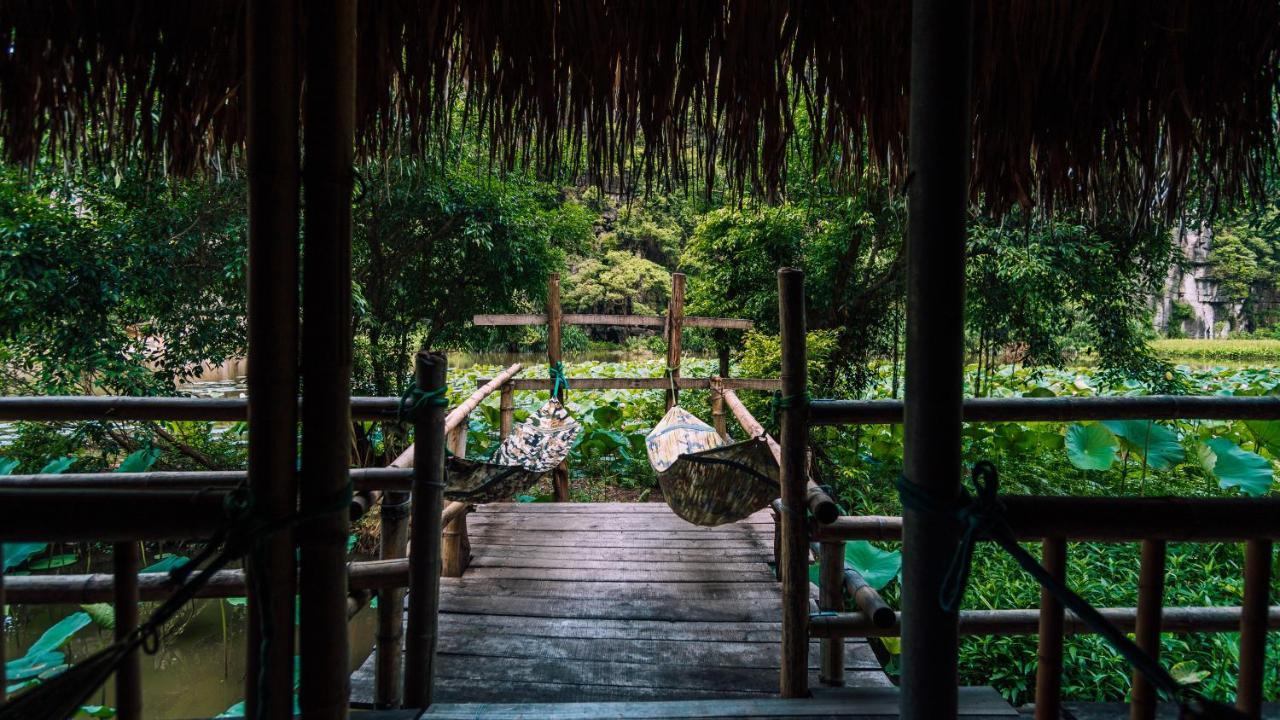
619, 283
876, 566
1244, 261
43, 660
1158, 446
1238, 468
1091, 446
1228, 350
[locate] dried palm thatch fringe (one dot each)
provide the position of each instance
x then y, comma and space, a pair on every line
1090, 103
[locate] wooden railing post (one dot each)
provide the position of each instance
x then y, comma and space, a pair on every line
675, 331
506, 409
424, 554
1253, 626
388, 664
455, 546
1049, 651
124, 568
794, 443
717, 408
555, 318
1142, 702
831, 599
4, 675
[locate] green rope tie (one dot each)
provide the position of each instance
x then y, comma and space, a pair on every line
558, 380
670, 373
415, 400
780, 402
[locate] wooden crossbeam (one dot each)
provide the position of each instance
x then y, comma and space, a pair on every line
590, 383
654, 321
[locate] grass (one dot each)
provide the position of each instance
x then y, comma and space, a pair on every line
1218, 350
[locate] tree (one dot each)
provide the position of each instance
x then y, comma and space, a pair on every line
432, 248
619, 282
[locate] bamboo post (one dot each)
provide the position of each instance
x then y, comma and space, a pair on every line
124, 568
1142, 701
938, 194
868, 600
1253, 626
324, 676
506, 409
555, 318
4, 675
388, 665
424, 556
455, 547
831, 599
272, 84
675, 331
1048, 700
794, 434
717, 408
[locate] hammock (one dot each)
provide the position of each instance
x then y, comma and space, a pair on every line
533, 449
704, 480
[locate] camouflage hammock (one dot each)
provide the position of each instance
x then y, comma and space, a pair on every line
533, 449
706, 481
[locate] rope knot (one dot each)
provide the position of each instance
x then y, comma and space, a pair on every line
558, 380
779, 402
415, 400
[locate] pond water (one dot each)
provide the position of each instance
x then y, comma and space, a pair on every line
200, 667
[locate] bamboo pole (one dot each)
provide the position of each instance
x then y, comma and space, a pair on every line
272, 82
831, 599
109, 515
324, 679
4, 675
867, 599
1253, 627
824, 509
1103, 519
506, 410
675, 332
424, 559
937, 203
1048, 699
1181, 620
1143, 700
388, 662
793, 678
455, 546
124, 567
555, 318
364, 479
717, 408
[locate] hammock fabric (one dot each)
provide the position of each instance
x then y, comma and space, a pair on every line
704, 480
534, 448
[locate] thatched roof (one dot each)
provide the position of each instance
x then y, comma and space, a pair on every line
1075, 101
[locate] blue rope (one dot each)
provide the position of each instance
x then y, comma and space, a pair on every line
981, 516
558, 380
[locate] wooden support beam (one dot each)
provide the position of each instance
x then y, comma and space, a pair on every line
831, 599
1182, 620
675, 333
560, 475
39, 515
124, 568
794, 565
937, 204
1048, 698
506, 410
389, 661
455, 546
650, 321
424, 557
1103, 519
4, 679
273, 84
1253, 627
717, 408
1142, 699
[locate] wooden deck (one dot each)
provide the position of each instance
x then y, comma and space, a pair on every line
621, 602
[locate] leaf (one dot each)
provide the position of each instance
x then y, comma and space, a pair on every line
876, 566
17, 553
139, 461
1090, 447
59, 633
103, 614
97, 711
57, 467
1267, 433
237, 601
1156, 443
1235, 467
1186, 673
892, 644
8, 466
165, 564
54, 562
1038, 392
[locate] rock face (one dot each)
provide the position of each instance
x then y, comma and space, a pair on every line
1191, 301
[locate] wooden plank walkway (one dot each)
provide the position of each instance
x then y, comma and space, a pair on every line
598, 602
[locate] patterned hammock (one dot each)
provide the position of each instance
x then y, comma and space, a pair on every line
705, 480
533, 449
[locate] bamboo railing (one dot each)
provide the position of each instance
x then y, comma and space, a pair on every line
1152, 522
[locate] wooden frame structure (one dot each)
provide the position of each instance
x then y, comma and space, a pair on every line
1052, 520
